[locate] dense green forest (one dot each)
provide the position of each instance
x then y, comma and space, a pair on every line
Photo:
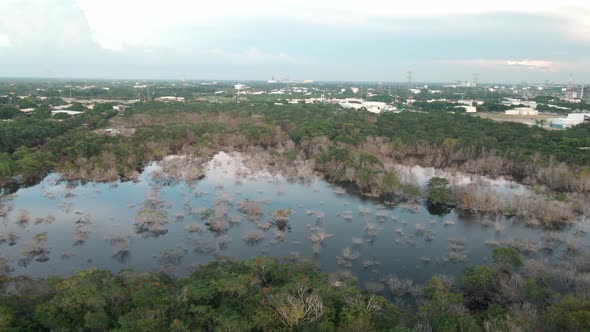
267, 294
31, 147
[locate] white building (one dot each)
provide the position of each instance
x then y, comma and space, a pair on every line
572, 119
170, 98
58, 111
371, 106
522, 111
516, 102
468, 109
470, 102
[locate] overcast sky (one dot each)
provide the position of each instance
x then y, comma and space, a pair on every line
369, 40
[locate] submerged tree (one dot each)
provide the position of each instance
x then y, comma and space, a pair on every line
253, 237
170, 258
36, 250
121, 245
282, 214
301, 304
440, 196
506, 257
151, 220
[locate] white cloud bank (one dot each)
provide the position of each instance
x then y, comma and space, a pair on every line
41, 24
530, 64
151, 37
117, 24
541, 65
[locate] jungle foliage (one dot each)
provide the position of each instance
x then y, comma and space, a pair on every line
353, 138
269, 294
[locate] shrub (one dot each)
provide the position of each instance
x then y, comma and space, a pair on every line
507, 256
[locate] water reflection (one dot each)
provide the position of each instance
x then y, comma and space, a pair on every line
179, 215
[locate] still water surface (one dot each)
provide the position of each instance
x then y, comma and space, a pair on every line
408, 240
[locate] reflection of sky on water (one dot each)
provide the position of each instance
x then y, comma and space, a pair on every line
112, 209
420, 175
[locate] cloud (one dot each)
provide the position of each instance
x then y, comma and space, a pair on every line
328, 39
5, 41
540, 65
578, 23
41, 24
149, 23
534, 65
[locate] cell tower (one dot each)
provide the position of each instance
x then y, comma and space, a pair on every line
410, 80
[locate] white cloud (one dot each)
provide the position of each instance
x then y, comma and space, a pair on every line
578, 23
540, 65
5, 41
35, 24
156, 36
534, 65
145, 22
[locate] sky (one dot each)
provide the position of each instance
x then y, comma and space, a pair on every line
322, 40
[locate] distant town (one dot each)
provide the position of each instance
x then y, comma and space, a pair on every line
549, 105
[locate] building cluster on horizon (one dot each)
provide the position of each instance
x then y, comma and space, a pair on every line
286, 80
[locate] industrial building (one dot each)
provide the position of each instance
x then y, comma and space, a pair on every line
170, 98
371, 106
518, 102
522, 111
468, 109
572, 119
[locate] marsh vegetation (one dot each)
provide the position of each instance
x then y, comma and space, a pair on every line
392, 246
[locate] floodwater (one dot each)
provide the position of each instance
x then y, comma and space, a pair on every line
78, 226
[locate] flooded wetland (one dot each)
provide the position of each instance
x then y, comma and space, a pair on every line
181, 213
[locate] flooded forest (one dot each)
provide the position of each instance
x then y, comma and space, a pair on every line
306, 217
